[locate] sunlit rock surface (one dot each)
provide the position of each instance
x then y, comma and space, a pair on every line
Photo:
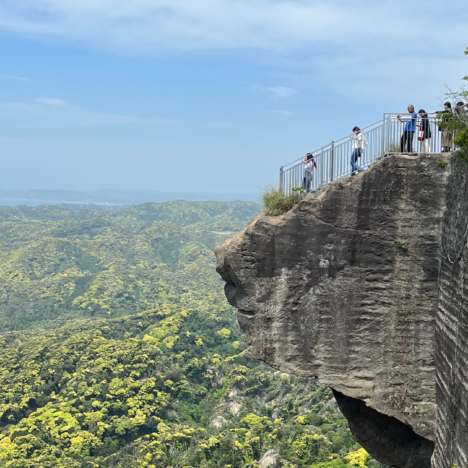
345, 288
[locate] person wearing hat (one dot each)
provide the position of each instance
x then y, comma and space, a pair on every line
309, 166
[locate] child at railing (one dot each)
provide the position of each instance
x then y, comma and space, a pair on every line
309, 166
359, 145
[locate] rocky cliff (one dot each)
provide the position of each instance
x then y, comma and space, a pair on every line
344, 288
452, 327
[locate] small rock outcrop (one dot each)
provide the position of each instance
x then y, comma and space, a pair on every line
344, 288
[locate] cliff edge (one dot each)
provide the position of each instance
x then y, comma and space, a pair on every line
345, 288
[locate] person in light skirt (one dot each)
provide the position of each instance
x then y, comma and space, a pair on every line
425, 133
447, 136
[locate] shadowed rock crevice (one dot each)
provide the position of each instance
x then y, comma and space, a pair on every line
385, 438
323, 291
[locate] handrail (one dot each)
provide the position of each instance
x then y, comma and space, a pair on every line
329, 144
387, 136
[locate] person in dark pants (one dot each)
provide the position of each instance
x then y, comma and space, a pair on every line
409, 129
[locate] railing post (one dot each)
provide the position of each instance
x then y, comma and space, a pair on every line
281, 181
332, 160
322, 159
383, 135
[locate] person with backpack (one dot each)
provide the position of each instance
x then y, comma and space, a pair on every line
425, 133
309, 166
446, 134
359, 145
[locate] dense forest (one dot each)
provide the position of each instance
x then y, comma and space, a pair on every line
118, 349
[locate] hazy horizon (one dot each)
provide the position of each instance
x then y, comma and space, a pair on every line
118, 197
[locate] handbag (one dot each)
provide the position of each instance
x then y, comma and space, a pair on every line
421, 133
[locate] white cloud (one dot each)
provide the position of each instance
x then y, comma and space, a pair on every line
280, 112
360, 48
280, 92
152, 26
15, 78
51, 101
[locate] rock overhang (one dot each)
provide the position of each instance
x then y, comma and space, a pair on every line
324, 290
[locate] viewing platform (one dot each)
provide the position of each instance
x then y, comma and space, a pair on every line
383, 137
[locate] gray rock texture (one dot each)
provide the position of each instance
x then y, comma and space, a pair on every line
344, 288
452, 327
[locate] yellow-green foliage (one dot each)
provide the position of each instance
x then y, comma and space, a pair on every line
56, 262
164, 387
358, 458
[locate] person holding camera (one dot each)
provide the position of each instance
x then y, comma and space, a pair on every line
359, 145
309, 166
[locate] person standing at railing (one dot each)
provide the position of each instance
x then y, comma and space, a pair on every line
359, 145
409, 129
425, 133
461, 108
446, 133
309, 166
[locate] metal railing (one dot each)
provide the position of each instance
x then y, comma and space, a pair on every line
383, 137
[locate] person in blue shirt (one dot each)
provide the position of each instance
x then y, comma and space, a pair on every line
410, 128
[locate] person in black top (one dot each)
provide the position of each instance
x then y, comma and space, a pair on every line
425, 133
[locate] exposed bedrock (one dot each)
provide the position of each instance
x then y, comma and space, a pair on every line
452, 327
344, 288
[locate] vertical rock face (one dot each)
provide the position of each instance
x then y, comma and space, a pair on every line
452, 327
344, 288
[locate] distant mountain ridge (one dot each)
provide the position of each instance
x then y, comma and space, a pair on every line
116, 196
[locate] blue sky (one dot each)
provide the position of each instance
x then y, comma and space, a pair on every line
207, 95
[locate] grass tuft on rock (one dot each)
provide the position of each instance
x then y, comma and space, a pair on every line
275, 202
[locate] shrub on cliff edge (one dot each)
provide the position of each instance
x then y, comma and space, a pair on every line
275, 202
462, 142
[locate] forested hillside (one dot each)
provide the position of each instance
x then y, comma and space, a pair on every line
56, 262
119, 350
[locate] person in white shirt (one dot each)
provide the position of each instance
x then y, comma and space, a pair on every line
309, 166
359, 145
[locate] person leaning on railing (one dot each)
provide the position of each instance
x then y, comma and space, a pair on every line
309, 166
446, 134
359, 145
410, 128
425, 133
